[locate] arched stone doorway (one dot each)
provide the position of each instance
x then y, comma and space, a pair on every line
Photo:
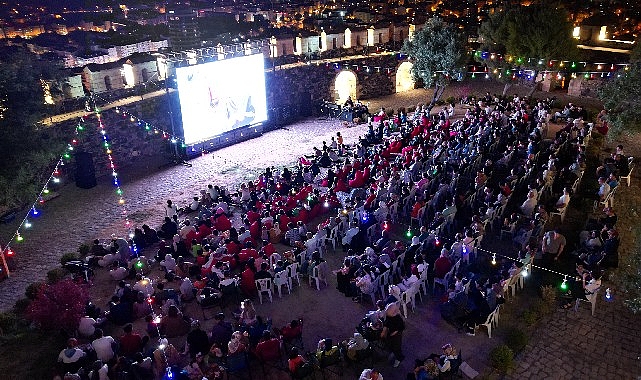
344, 86
404, 80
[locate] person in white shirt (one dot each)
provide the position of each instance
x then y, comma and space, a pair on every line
213, 192
527, 208
169, 263
86, 327
349, 234
186, 229
563, 201
170, 209
407, 282
71, 354
103, 346
186, 289
604, 188
583, 288
144, 285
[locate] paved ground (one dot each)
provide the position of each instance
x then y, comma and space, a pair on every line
577, 346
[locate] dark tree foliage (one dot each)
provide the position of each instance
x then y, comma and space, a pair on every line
635, 55
26, 149
533, 35
621, 97
438, 55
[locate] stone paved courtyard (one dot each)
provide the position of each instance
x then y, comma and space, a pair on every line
567, 345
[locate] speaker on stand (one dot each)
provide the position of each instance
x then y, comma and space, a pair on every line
85, 170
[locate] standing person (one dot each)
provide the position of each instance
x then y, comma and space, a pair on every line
170, 209
393, 332
553, 244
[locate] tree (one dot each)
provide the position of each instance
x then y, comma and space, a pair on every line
621, 97
526, 38
635, 55
26, 150
438, 55
59, 306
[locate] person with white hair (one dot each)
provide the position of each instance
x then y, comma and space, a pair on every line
392, 333
169, 263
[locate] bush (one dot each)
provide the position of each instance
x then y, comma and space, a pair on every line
450, 100
548, 299
502, 358
59, 306
516, 339
21, 306
69, 256
56, 275
32, 290
530, 317
84, 249
8, 323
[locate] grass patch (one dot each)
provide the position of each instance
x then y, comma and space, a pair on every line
30, 354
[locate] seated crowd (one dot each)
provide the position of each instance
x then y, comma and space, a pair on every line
490, 170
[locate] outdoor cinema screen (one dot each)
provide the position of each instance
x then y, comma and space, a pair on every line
216, 97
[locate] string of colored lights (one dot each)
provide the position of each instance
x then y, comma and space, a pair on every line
34, 212
487, 55
525, 270
109, 153
174, 139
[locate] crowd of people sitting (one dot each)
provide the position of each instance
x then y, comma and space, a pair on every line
452, 180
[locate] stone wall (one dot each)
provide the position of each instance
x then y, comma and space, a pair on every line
287, 92
287, 87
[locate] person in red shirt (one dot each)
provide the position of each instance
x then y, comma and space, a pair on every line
268, 349
130, 342
370, 201
292, 331
268, 248
232, 247
442, 265
247, 253
417, 206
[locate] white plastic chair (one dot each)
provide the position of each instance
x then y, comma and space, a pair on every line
627, 177
318, 275
333, 237
394, 212
444, 281
372, 233
372, 294
280, 280
384, 282
264, 285
272, 260
497, 314
591, 298
408, 297
423, 280
560, 214
488, 323
292, 274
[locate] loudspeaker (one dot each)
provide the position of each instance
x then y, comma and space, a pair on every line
306, 104
85, 170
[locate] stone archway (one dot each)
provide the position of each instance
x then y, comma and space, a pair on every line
344, 86
404, 80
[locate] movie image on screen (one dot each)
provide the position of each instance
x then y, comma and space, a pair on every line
217, 97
